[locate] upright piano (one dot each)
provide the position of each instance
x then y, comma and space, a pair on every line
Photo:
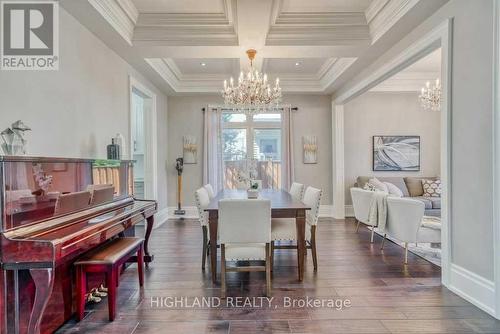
42, 233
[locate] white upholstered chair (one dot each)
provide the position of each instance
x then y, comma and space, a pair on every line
297, 191
202, 199
245, 235
406, 222
210, 190
284, 229
361, 202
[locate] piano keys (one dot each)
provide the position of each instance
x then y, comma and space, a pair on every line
39, 242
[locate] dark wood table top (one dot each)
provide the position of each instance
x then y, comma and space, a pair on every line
280, 199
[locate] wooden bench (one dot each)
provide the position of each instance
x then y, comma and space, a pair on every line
107, 259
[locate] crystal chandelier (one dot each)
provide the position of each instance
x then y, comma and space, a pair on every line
430, 97
253, 91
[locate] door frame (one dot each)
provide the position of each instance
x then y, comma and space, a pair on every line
439, 37
496, 155
150, 135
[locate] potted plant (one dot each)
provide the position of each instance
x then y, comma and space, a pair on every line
253, 191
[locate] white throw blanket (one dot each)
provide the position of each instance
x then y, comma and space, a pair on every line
431, 222
378, 210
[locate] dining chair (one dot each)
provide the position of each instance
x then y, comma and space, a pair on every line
297, 191
245, 235
72, 202
406, 222
210, 190
361, 202
202, 199
284, 229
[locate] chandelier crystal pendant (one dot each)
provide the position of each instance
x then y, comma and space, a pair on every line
430, 97
253, 91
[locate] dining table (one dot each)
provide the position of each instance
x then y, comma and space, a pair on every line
282, 206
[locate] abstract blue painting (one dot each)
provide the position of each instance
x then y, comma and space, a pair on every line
396, 153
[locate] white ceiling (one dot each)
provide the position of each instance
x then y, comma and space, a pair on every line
179, 6
322, 6
169, 39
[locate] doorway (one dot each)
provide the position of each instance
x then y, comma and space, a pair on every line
143, 140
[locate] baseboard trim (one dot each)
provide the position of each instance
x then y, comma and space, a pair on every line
473, 288
325, 211
349, 211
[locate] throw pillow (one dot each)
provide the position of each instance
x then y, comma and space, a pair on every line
393, 190
432, 188
379, 185
368, 186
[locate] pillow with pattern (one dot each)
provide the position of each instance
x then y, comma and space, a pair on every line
368, 186
432, 188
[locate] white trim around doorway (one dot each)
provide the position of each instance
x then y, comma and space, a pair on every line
151, 177
440, 37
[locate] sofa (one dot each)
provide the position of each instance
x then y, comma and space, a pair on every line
412, 188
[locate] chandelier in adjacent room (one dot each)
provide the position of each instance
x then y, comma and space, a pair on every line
252, 91
430, 96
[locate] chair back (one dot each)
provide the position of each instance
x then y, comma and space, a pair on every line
312, 198
202, 199
297, 190
72, 202
404, 218
361, 202
244, 221
101, 195
210, 190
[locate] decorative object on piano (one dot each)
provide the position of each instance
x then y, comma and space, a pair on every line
310, 148
189, 150
13, 139
43, 180
120, 141
113, 150
253, 191
179, 166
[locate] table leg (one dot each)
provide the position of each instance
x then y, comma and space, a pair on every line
44, 281
212, 225
300, 222
149, 228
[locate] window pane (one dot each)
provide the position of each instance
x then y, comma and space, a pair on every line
267, 118
234, 144
267, 152
232, 118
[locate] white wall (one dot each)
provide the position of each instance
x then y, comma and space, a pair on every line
313, 118
75, 111
472, 69
376, 113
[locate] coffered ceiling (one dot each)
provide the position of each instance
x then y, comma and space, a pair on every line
189, 46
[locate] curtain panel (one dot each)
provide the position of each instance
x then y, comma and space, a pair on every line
287, 163
213, 164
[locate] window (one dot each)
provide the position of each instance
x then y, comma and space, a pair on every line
254, 138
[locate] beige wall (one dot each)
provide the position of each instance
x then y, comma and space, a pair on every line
388, 114
75, 111
313, 118
472, 71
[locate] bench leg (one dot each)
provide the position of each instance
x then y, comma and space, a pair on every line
111, 283
140, 265
81, 283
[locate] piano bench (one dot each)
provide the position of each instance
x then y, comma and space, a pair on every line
107, 259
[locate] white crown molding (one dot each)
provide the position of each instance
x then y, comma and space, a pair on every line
182, 19
130, 9
335, 71
406, 82
113, 12
383, 15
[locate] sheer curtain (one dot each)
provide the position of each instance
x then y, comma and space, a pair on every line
287, 168
213, 164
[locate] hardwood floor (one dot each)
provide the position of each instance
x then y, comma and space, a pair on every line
385, 295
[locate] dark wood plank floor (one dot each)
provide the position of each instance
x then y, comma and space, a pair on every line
386, 296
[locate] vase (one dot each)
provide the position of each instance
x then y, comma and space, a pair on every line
253, 193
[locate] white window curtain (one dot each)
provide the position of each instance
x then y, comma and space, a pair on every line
287, 168
213, 165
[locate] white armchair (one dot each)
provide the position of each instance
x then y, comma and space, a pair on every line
284, 229
406, 222
297, 191
245, 235
361, 202
202, 199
